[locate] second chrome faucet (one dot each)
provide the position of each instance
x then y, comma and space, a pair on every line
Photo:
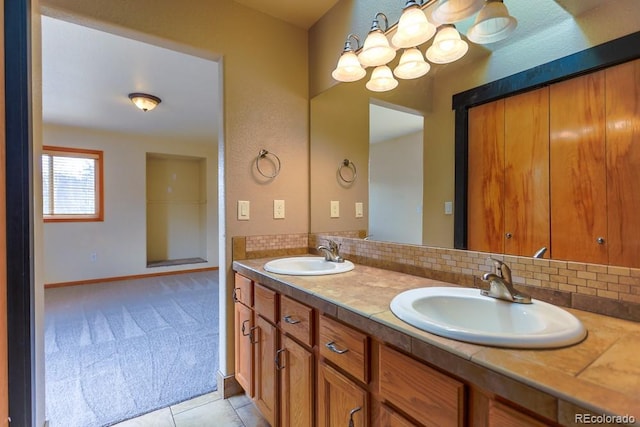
501, 286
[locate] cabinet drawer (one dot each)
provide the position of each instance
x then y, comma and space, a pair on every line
265, 302
425, 394
503, 416
243, 291
345, 347
296, 320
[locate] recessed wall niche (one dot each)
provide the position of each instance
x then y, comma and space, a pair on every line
176, 210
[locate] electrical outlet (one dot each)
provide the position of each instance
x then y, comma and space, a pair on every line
335, 209
359, 210
448, 208
243, 210
278, 209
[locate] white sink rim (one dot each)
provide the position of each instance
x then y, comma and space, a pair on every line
550, 327
307, 266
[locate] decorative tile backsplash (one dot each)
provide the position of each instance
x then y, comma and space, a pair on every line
604, 289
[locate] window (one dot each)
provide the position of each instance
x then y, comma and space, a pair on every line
72, 184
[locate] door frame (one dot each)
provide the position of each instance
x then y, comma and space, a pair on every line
19, 219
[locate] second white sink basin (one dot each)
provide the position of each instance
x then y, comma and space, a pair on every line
307, 266
466, 315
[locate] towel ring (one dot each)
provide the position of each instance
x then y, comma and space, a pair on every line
274, 159
346, 163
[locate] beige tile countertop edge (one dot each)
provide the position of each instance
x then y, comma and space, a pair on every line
599, 374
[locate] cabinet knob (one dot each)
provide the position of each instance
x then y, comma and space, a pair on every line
600, 240
508, 235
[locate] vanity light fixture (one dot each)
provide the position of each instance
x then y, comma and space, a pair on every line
144, 101
450, 11
414, 28
381, 79
447, 46
412, 65
376, 50
349, 68
492, 24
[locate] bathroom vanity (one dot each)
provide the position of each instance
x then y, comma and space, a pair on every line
327, 351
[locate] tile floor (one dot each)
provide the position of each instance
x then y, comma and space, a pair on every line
209, 410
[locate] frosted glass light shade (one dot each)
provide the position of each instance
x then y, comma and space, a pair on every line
376, 50
492, 24
447, 46
449, 11
381, 80
413, 28
144, 101
348, 68
412, 65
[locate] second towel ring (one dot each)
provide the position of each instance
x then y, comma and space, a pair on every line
348, 164
275, 160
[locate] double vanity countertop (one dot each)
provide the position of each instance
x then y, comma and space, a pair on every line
600, 374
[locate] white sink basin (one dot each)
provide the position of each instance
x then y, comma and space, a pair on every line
466, 315
307, 266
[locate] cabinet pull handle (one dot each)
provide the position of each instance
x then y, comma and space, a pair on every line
353, 411
600, 240
235, 294
332, 346
289, 320
252, 336
508, 235
244, 324
277, 360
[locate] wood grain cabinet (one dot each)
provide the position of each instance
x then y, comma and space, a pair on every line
341, 401
508, 188
558, 167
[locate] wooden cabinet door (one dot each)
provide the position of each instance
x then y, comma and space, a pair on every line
296, 384
485, 191
503, 416
623, 163
265, 374
340, 400
578, 169
526, 172
243, 347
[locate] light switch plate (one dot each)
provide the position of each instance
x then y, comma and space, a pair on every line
448, 208
278, 209
335, 209
243, 210
359, 210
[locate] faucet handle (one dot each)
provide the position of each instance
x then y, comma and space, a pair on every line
502, 269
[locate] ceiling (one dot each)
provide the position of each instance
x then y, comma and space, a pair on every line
87, 74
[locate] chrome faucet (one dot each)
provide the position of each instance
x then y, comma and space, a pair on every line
540, 252
501, 286
331, 252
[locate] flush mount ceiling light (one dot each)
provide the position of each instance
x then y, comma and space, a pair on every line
349, 68
144, 101
449, 11
447, 46
376, 50
492, 24
413, 27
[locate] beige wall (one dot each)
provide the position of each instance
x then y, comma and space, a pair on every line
566, 37
120, 241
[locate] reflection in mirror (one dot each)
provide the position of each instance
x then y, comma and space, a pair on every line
395, 175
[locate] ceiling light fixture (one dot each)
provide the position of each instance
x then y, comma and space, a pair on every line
144, 101
492, 24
